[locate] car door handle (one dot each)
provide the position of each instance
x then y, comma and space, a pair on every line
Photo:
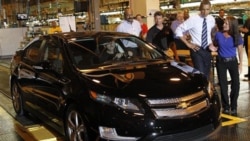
64, 81
37, 67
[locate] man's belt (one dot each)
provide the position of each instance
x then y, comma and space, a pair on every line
227, 59
204, 48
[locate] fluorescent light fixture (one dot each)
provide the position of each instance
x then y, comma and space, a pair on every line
198, 3
193, 4
167, 7
111, 13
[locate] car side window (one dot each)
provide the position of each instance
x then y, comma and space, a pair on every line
82, 58
131, 47
33, 52
83, 53
53, 55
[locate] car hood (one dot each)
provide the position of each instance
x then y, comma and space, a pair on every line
152, 79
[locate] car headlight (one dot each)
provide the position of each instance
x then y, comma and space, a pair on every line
100, 98
124, 103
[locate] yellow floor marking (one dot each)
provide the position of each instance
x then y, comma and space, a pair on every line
232, 120
34, 132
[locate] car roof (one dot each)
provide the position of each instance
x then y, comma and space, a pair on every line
89, 34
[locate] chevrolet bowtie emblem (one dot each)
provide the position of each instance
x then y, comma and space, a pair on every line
182, 105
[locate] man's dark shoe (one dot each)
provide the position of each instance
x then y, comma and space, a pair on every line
234, 112
226, 111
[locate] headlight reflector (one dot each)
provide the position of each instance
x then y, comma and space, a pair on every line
124, 103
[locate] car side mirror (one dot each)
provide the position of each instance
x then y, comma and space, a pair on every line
64, 81
20, 52
18, 55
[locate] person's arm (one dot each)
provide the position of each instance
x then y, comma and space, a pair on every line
240, 52
149, 36
189, 44
244, 28
181, 29
240, 56
213, 44
213, 33
144, 31
138, 27
236, 33
173, 26
172, 44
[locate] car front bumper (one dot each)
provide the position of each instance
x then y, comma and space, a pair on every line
192, 128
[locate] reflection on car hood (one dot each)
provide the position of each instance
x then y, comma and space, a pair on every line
152, 79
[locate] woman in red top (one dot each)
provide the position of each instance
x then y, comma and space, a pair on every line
144, 26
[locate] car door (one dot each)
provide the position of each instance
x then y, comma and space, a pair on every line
50, 78
27, 72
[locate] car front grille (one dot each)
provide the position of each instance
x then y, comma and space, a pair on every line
178, 107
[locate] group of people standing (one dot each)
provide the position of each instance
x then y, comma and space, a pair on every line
201, 34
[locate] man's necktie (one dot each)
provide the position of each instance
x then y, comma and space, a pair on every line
204, 34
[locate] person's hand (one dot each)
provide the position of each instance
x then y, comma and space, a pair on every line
244, 30
212, 48
193, 47
130, 53
118, 56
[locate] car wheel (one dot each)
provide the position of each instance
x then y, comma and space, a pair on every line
76, 129
17, 99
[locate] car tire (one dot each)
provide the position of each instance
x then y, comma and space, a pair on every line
17, 99
75, 126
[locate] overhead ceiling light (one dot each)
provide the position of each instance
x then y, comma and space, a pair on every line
167, 7
111, 13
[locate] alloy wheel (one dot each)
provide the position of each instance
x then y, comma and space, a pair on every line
76, 130
16, 99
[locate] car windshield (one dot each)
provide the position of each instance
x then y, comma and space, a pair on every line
106, 50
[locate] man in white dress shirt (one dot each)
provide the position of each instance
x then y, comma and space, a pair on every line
201, 55
129, 24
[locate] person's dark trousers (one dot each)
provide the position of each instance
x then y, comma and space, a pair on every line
232, 67
202, 61
248, 73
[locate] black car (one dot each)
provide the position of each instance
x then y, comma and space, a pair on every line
112, 86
